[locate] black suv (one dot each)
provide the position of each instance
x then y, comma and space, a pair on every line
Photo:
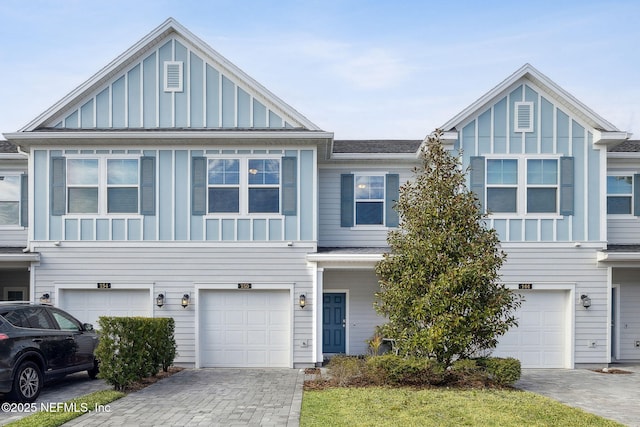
39, 343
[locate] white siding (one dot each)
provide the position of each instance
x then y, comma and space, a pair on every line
576, 267
13, 237
623, 231
174, 271
362, 318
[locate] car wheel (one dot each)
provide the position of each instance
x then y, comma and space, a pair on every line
27, 383
93, 372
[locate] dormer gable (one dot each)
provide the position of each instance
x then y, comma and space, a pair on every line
170, 80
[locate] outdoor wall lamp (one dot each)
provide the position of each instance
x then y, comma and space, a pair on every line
302, 301
45, 299
586, 301
160, 300
185, 300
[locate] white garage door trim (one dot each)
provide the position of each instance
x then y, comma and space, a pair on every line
61, 289
204, 287
566, 290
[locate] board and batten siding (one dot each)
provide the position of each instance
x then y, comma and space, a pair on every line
361, 316
205, 95
554, 134
171, 217
574, 267
176, 270
330, 231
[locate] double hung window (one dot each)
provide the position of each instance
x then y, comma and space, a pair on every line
369, 199
620, 195
9, 200
90, 181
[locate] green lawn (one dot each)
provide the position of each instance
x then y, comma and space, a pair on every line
377, 406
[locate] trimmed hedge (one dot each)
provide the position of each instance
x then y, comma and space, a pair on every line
132, 348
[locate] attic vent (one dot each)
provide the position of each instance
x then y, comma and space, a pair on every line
523, 117
173, 76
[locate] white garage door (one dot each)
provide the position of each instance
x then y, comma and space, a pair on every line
89, 304
245, 328
540, 340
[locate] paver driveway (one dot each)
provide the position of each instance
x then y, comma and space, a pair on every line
209, 397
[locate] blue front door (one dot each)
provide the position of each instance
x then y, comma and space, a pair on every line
334, 324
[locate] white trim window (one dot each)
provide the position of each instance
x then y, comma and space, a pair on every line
542, 185
224, 185
502, 185
369, 199
264, 185
620, 194
10, 199
100, 185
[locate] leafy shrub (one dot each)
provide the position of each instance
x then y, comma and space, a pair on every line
132, 348
502, 371
345, 369
395, 370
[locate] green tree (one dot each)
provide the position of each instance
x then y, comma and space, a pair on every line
439, 284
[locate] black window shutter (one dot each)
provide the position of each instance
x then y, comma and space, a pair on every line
476, 177
148, 186
392, 192
289, 186
566, 186
346, 200
58, 186
199, 186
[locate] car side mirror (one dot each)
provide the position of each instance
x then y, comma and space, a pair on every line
87, 327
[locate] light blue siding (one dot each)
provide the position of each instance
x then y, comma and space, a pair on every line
149, 230
165, 202
515, 230
197, 228
515, 140
275, 229
228, 229
102, 229
213, 229
71, 229
165, 99
484, 132
291, 228
259, 114
213, 97
244, 229
305, 189
546, 126
260, 229
500, 126
468, 142
134, 101
531, 230
181, 196
274, 120
500, 225
150, 86
118, 103
102, 109
244, 109
196, 90
86, 229
562, 132
546, 230
531, 138
181, 98
118, 229
133, 229
71, 121
86, 115
228, 103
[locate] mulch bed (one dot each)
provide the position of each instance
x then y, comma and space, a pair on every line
611, 371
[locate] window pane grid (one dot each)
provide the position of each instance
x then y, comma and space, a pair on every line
619, 195
369, 199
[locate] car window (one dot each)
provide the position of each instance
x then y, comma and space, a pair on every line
66, 322
37, 318
16, 318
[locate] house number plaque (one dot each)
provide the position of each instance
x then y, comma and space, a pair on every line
104, 285
244, 285
525, 286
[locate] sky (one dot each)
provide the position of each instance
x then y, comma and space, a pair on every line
363, 69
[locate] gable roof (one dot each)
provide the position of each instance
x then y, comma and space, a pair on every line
564, 98
87, 93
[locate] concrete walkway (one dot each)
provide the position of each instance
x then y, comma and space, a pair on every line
612, 396
209, 397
